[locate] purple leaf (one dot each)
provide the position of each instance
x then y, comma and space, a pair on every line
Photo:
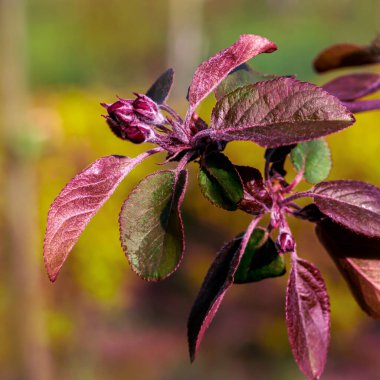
343, 55
211, 72
256, 199
160, 89
308, 317
353, 86
218, 280
279, 112
78, 202
358, 259
353, 204
151, 228
362, 106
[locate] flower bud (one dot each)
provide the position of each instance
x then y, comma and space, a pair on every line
147, 110
137, 133
285, 242
125, 123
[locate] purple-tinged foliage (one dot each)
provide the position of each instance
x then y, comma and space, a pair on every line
344, 55
211, 72
353, 86
358, 259
279, 112
256, 199
286, 116
363, 105
353, 204
78, 202
308, 317
218, 280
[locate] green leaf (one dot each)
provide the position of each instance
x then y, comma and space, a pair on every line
151, 229
314, 156
220, 182
261, 259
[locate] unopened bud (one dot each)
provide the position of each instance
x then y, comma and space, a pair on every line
285, 242
126, 123
147, 110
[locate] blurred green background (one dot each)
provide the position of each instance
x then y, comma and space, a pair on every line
59, 60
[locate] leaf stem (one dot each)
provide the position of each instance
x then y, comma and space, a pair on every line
295, 196
297, 179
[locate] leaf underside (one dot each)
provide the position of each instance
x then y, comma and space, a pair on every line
353, 204
77, 203
314, 158
151, 229
279, 112
308, 318
358, 259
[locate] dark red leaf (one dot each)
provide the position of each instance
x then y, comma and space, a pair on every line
353, 86
279, 112
308, 317
218, 280
343, 55
78, 202
256, 198
354, 204
161, 87
211, 72
358, 259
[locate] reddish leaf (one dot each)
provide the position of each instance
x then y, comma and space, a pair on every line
78, 202
353, 86
218, 280
354, 204
343, 55
160, 89
279, 112
362, 106
308, 317
256, 199
211, 72
358, 259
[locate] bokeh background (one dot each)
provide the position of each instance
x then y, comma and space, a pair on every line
58, 60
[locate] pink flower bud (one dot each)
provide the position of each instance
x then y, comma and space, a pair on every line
147, 110
285, 242
125, 124
137, 133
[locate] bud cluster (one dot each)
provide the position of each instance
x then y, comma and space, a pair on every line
133, 119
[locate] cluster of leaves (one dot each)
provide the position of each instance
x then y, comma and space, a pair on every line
282, 114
